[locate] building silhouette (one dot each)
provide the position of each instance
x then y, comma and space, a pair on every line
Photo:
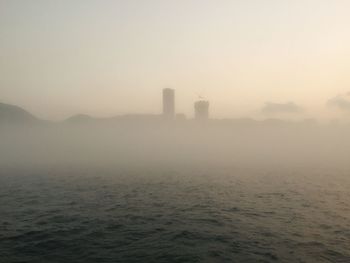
201, 110
169, 103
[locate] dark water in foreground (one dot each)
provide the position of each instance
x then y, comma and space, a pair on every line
171, 216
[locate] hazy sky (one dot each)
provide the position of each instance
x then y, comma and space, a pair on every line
106, 57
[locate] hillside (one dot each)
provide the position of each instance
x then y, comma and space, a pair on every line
14, 114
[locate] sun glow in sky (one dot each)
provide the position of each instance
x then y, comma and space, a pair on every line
59, 58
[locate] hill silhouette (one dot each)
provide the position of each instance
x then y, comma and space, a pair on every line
14, 114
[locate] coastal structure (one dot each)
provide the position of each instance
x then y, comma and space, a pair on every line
169, 103
201, 110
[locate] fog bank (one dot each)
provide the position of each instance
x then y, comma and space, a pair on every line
184, 144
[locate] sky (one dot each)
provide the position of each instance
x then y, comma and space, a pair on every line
249, 58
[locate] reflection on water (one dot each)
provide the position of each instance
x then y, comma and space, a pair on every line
192, 215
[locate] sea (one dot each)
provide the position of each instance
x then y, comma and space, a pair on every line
178, 214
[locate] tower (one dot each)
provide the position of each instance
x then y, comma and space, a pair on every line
201, 109
169, 103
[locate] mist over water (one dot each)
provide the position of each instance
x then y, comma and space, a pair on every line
176, 143
175, 192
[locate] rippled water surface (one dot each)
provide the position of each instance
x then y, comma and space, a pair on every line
208, 215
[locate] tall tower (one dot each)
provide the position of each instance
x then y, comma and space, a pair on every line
201, 110
169, 103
